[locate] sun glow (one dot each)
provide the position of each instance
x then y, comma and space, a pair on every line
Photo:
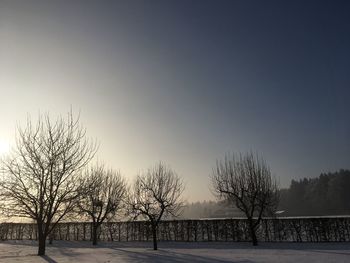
4, 147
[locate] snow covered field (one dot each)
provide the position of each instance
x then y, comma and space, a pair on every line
62, 251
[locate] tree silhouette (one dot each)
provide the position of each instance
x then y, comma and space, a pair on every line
40, 177
102, 196
155, 194
246, 182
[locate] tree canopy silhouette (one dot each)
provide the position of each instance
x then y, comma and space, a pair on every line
246, 182
40, 177
156, 194
102, 196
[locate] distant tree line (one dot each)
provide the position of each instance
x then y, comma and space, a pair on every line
328, 194
209, 209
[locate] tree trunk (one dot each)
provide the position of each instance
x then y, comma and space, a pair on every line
254, 238
51, 237
94, 233
42, 243
252, 232
154, 234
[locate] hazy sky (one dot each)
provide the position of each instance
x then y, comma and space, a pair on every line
186, 81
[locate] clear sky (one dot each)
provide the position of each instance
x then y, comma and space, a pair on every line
186, 81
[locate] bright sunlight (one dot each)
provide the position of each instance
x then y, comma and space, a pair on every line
4, 147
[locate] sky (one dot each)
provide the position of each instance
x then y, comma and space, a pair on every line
185, 82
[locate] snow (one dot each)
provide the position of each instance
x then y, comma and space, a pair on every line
216, 252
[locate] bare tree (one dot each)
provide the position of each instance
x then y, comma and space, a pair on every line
246, 182
40, 177
155, 194
102, 197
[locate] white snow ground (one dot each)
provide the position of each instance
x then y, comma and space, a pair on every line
216, 252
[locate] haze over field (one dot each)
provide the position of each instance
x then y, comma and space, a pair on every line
185, 81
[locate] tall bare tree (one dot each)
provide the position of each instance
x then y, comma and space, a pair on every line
40, 176
155, 194
103, 195
246, 182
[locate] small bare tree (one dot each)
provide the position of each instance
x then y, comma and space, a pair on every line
155, 194
103, 195
246, 182
40, 177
